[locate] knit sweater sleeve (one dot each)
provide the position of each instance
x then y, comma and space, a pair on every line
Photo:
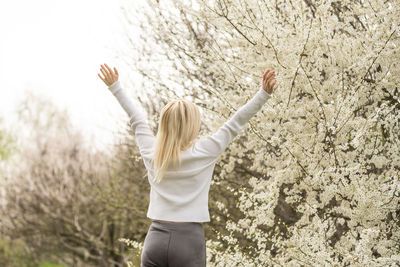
137, 120
216, 143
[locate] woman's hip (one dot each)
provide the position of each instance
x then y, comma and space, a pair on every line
174, 244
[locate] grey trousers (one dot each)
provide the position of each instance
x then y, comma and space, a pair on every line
169, 244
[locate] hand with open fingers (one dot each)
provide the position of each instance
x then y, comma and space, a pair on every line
110, 76
268, 81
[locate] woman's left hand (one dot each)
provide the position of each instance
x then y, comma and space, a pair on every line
109, 76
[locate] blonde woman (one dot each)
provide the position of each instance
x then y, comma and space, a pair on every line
180, 169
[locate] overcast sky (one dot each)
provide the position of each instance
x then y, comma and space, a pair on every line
55, 48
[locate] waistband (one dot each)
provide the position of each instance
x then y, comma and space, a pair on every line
180, 225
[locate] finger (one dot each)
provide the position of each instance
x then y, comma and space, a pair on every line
110, 70
103, 68
271, 83
266, 86
106, 71
265, 73
270, 74
107, 78
268, 77
116, 71
264, 79
113, 75
101, 77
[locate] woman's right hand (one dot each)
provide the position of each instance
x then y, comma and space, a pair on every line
109, 76
268, 80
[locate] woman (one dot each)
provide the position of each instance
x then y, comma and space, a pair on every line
180, 169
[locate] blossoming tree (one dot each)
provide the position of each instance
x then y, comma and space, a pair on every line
323, 156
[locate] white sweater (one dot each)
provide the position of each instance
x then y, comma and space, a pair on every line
182, 195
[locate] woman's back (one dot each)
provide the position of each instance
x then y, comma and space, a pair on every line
182, 194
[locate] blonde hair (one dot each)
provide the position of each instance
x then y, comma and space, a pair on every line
178, 127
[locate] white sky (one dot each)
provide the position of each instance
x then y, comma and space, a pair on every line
55, 48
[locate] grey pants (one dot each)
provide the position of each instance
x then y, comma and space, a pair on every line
169, 244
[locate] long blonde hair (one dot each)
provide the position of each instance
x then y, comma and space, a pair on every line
178, 127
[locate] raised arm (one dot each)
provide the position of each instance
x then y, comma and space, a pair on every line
216, 143
137, 120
